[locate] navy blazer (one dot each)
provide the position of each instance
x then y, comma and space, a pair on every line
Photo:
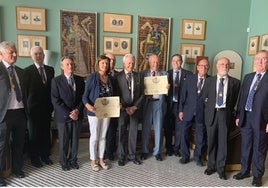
92, 89
191, 103
260, 102
65, 100
209, 98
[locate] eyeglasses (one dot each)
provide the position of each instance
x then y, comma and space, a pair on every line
205, 66
260, 58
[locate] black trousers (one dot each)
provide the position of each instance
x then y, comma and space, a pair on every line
111, 136
14, 125
69, 134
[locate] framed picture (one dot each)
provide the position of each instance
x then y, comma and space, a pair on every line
30, 18
193, 29
253, 45
264, 42
117, 45
26, 42
120, 23
78, 35
191, 51
153, 38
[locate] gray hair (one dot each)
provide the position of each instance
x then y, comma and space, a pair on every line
5, 44
127, 56
36, 47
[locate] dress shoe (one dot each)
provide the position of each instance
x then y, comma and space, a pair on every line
47, 161
136, 161
144, 156
257, 182
158, 157
65, 167
111, 157
241, 176
37, 163
169, 153
19, 174
184, 160
199, 163
177, 154
2, 182
209, 171
222, 176
74, 165
121, 162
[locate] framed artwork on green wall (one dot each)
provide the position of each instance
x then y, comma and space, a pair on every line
78, 39
264, 42
120, 23
253, 45
153, 38
26, 42
193, 29
192, 51
117, 45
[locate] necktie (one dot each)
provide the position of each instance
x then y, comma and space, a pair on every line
220, 92
14, 84
252, 92
71, 83
41, 72
153, 73
176, 86
129, 78
199, 85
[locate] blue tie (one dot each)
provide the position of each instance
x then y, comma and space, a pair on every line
199, 85
176, 85
15, 83
129, 78
252, 92
220, 92
71, 83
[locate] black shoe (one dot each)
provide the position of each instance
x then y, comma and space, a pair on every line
74, 165
111, 157
37, 163
158, 157
47, 161
121, 162
19, 174
241, 176
257, 182
169, 153
209, 171
177, 154
136, 161
199, 163
144, 156
65, 167
222, 176
2, 182
184, 160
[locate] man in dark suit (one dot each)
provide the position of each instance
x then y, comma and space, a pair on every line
191, 111
155, 107
176, 77
130, 90
111, 133
38, 94
12, 110
220, 94
66, 95
252, 119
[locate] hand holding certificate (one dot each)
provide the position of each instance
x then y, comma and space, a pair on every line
107, 107
155, 85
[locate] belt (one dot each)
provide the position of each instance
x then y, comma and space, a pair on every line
220, 109
153, 99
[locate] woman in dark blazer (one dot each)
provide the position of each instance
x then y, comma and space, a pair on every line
98, 84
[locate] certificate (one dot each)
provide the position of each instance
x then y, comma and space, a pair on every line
107, 107
155, 85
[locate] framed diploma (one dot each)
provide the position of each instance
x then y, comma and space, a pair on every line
155, 85
107, 107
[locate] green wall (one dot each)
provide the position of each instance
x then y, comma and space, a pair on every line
227, 21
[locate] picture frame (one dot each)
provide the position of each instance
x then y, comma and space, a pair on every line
30, 18
116, 45
191, 51
193, 29
78, 37
253, 45
153, 38
26, 42
119, 23
264, 42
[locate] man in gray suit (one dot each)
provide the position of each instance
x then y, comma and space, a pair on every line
12, 113
155, 108
130, 90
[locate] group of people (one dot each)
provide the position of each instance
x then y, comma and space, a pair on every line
206, 102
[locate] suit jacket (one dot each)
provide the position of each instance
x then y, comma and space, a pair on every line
162, 98
64, 99
260, 102
184, 73
138, 89
191, 103
38, 95
6, 89
209, 97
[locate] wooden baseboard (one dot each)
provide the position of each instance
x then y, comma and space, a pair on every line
233, 167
